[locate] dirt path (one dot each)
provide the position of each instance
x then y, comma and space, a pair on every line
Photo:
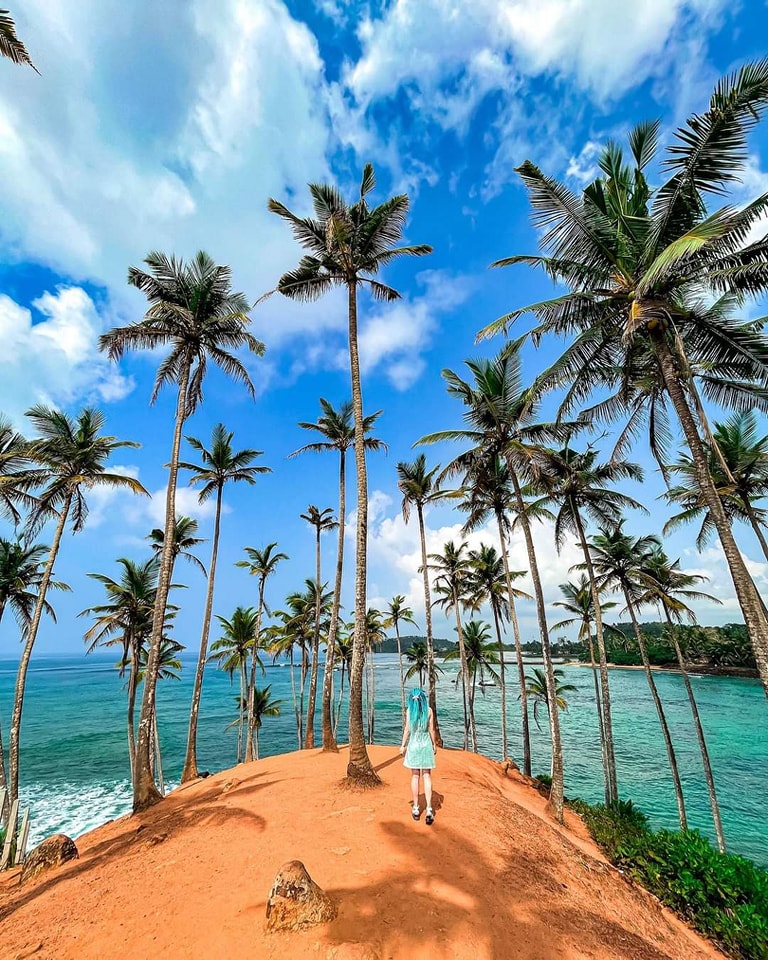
493, 878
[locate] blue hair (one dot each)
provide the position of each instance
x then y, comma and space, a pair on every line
418, 709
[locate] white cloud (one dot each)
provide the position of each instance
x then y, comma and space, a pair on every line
187, 505
55, 360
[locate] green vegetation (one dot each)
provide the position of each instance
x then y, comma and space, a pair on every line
703, 647
723, 896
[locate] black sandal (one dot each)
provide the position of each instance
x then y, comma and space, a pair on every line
430, 817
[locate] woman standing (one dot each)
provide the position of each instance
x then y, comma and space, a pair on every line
419, 734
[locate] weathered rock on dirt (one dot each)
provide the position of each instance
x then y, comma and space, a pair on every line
51, 853
296, 902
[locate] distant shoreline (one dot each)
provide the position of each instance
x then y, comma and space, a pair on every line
698, 669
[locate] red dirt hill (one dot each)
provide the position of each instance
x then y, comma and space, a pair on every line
493, 878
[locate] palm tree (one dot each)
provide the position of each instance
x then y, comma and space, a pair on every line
344, 650
418, 657
419, 488
481, 658
125, 620
488, 584
169, 668
10, 45
669, 588
323, 521
219, 465
538, 689
338, 430
13, 459
232, 652
183, 542
577, 484
374, 636
738, 465
263, 706
194, 312
654, 280
68, 458
279, 641
261, 563
451, 582
345, 245
397, 612
579, 602
500, 418
619, 562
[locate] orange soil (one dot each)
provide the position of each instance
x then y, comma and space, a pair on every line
493, 878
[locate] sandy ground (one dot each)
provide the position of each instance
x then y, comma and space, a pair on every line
493, 878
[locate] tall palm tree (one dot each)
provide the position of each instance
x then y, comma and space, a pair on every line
654, 282
481, 658
344, 650
232, 652
738, 465
451, 582
346, 244
538, 689
261, 563
669, 589
374, 637
619, 562
279, 641
193, 312
488, 584
579, 602
396, 613
10, 45
419, 488
125, 620
338, 430
13, 459
579, 486
323, 521
500, 417
68, 459
183, 542
219, 465
169, 668
417, 656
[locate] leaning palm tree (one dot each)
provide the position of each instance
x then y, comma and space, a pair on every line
346, 244
619, 562
193, 312
655, 281
232, 652
419, 488
183, 542
338, 431
396, 613
538, 690
669, 588
261, 563
323, 521
482, 659
500, 418
10, 45
68, 459
219, 466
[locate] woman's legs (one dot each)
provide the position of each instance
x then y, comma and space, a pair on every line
415, 787
427, 774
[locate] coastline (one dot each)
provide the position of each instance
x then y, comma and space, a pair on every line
700, 669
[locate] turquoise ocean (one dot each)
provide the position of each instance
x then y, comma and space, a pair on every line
75, 763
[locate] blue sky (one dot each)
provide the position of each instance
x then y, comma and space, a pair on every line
151, 128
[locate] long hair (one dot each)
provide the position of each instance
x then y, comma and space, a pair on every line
418, 709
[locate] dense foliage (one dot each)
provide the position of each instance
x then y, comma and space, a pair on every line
703, 647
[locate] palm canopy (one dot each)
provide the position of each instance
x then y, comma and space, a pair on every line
21, 570
337, 427
398, 612
670, 587
578, 601
193, 312
322, 520
262, 561
69, 457
10, 45
239, 638
13, 459
487, 581
418, 485
184, 541
482, 656
536, 688
453, 571
346, 243
619, 561
221, 464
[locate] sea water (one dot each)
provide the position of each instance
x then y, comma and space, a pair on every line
74, 765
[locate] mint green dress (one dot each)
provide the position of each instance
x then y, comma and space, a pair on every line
419, 755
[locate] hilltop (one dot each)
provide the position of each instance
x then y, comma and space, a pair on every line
494, 878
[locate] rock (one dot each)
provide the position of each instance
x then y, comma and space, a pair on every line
295, 900
52, 852
510, 765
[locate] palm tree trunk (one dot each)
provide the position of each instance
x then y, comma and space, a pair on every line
21, 676
604, 703
251, 686
749, 598
472, 723
518, 649
133, 684
756, 526
145, 792
503, 683
708, 775
158, 756
296, 709
660, 710
556, 793
240, 737
402, 677
5, 810
190, 771
462, 668
310, 740
600, 724
371, 697
359, 767
256, 741
341, 699
430, 637
329, 735
303, 671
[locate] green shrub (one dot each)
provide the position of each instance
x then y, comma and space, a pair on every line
723, 896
